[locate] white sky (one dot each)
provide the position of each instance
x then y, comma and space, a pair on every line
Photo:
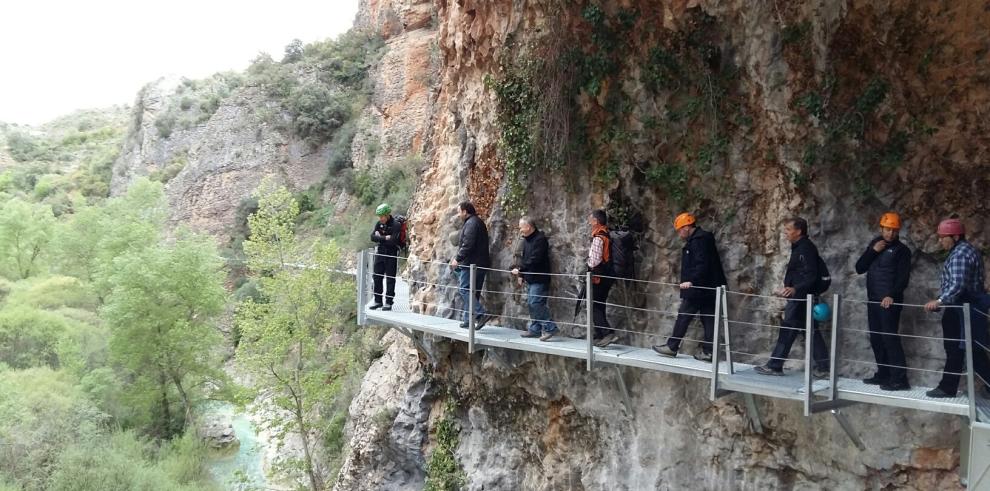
61, 55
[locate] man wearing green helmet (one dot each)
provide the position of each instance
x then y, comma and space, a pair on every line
386, 235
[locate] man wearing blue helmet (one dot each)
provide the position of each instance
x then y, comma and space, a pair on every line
386, 235
800, 279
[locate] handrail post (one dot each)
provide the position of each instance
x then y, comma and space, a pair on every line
718, 316
589, 322
834, 352
362, 295
970, 383
725, 324
809, 331
471, 321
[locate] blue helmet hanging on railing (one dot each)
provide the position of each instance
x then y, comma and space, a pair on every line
821, 312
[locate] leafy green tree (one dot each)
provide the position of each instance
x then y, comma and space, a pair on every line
281, 335
25, 231
160, 312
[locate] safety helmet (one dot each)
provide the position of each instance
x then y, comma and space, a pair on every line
383, 209
821, 312
951, 226
890, 220
683, 220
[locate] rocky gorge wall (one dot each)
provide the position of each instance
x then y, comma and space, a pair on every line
742, 112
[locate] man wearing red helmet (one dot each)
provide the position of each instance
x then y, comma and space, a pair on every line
887, 264
962, 282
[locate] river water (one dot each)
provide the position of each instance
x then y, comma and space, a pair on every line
239, 470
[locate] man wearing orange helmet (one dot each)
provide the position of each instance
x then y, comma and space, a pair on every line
887, 264
962, 282
701, 272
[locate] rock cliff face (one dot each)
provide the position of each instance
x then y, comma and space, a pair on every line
743, 112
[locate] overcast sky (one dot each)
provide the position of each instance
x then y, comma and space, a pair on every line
61, 55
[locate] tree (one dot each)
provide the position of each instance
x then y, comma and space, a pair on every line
281, 335
25, 230
160, 313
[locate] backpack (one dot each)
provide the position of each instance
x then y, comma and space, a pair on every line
403, 231
824, 279
622, 245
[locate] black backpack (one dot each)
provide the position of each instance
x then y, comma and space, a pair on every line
824, 279
403, 231
622, 246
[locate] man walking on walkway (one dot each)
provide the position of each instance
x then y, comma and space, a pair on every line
533, 268
386, 235
800, 279
599, 263
473, 249
962, 282
701, 273
887, 264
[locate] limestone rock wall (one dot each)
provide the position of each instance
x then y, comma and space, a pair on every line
834, 110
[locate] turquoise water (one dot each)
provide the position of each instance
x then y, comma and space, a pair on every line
239, 470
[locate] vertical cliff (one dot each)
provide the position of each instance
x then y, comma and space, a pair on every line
742, 112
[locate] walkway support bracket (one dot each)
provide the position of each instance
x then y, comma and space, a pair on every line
809, 324
847, 427
754, 413
625, 392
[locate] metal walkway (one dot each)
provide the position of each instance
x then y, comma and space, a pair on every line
725, 374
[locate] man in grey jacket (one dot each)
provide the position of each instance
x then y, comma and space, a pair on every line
473, 249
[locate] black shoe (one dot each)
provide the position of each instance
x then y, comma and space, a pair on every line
938, 393
766, 370
820, 373
387, 308
376, 306
875, 380
465, 325
896, 386
485, 319
528, 334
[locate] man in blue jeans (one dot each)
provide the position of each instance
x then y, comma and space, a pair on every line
473, 249
533, 270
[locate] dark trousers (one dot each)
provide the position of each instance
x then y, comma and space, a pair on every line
955, 353
794, 323
385, 268
599, 295
886, 344
689, 309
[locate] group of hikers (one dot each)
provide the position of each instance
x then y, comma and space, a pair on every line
886, 263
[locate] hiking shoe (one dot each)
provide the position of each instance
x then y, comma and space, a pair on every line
874, 380
607, 340
702, 356
528, 334
387, 308
485, 319
664, 350
547, 335
766, 370
819, 372
938, 393
896, 386
376, 306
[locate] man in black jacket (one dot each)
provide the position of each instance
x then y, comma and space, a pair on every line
473, 249
533, 268
386, 235
887, 264
799, 280
701, 273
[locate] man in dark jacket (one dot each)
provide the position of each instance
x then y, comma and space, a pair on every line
473, 249
701, 273
386, 235
887, 264
799, 280
533, 270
